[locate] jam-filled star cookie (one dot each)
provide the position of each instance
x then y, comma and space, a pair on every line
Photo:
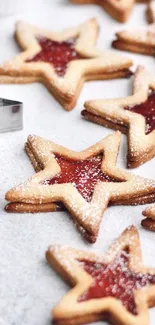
62, 61
149, 222
120, 10
140, 40
133, 115
151, 11
115, 287
84, 182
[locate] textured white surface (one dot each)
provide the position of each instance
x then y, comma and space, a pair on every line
29, 288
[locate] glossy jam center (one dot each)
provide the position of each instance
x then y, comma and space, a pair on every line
147, 109
84, 174
115, 280
59, 54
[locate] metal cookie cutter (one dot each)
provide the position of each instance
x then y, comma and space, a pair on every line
11, 115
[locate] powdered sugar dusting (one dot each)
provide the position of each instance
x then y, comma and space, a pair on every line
115, 280
29, 287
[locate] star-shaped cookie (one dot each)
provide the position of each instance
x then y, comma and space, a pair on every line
149, 222
62, 61
133, 115
116, 287
85, 182
120, 10
140, 40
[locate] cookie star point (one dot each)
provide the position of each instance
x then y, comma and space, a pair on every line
138, 40
120, 10
150, 11
149, 222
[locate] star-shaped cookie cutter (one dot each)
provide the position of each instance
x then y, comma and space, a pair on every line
11, 115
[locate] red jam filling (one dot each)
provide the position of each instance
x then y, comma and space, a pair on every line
147, 109
59, 54
115, 280
84, 174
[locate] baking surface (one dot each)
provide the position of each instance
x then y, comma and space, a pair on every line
29, 288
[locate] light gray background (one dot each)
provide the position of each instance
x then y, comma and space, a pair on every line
29, 288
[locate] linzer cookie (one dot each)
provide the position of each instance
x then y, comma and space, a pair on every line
62, 61
120, 10
149, 222
140, 40
151, 11
84, 182
115, 287
133, 115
